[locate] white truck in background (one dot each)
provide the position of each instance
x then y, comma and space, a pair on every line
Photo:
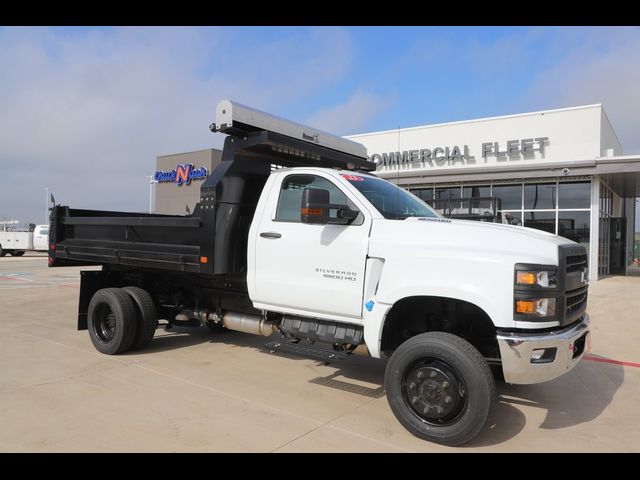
322, 252
16, 240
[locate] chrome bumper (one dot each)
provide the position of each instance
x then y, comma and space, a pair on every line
516, 348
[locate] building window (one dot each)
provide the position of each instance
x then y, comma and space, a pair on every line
540, 196
604, 232
561, 208
476, 191
511, 218
574, 195
425, 194
545, 221
575, 226
510, 196
448, 193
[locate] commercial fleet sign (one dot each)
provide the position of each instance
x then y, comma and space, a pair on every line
450, 156
182, 174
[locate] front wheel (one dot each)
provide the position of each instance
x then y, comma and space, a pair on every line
17, 253
440, 388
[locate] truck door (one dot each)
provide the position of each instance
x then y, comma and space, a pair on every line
41, 237
301, 267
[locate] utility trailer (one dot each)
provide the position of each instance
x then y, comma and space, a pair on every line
295, 238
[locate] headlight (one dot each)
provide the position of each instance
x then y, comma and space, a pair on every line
540, 307
544, 278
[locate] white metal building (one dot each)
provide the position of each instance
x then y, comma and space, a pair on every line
561, 170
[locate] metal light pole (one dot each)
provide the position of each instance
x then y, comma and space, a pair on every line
151, 182
46, 206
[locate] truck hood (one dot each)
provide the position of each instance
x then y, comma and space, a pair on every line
478, 240
462, 259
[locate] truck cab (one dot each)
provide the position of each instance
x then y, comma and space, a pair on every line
398, 251
41, 238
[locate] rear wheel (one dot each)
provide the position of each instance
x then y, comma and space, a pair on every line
17, 253
147, 318
440, 388
111, 320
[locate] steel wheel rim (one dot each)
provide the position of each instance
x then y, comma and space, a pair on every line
434, 391
105, 326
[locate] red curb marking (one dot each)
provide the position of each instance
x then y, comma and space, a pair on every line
615, 362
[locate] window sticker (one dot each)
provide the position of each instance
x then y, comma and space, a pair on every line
352, 178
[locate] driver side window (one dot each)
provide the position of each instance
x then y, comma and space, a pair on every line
288, 209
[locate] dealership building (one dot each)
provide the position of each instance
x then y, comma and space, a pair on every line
562, 171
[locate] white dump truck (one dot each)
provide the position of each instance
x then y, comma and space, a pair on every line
295, 238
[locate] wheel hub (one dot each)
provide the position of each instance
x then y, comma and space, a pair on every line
434, 392
106, 325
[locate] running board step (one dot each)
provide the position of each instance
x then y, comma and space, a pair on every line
305, 351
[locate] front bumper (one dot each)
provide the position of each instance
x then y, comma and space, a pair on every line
516, 348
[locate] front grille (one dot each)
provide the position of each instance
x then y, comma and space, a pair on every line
576, 301
575, 263
572, 282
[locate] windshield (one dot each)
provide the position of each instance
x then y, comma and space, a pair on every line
392, 202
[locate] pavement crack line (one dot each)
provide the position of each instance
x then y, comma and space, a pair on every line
320, 425
227, 394
342, 430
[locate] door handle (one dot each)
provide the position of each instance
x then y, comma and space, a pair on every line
270, 235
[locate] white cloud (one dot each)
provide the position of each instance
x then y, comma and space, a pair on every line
352, 115
86, 111
596, 66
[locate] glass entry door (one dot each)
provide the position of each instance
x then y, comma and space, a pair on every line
617, 246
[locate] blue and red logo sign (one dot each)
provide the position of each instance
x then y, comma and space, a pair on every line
182, 174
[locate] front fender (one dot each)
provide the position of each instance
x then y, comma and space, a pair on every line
486, 284
375, 320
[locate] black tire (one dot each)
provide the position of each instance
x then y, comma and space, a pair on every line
440, 388
111, 320
147, 318
2, 251
17, 253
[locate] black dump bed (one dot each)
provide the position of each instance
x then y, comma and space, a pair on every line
213, 239
135, 239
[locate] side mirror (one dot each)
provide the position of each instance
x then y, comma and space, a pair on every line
348, 214
314, 207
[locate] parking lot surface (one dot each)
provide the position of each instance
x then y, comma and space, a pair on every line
193, 390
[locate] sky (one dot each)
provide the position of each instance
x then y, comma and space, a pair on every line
85, 111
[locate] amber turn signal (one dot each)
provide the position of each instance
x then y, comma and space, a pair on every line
315, 212
526, 306
526, 278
